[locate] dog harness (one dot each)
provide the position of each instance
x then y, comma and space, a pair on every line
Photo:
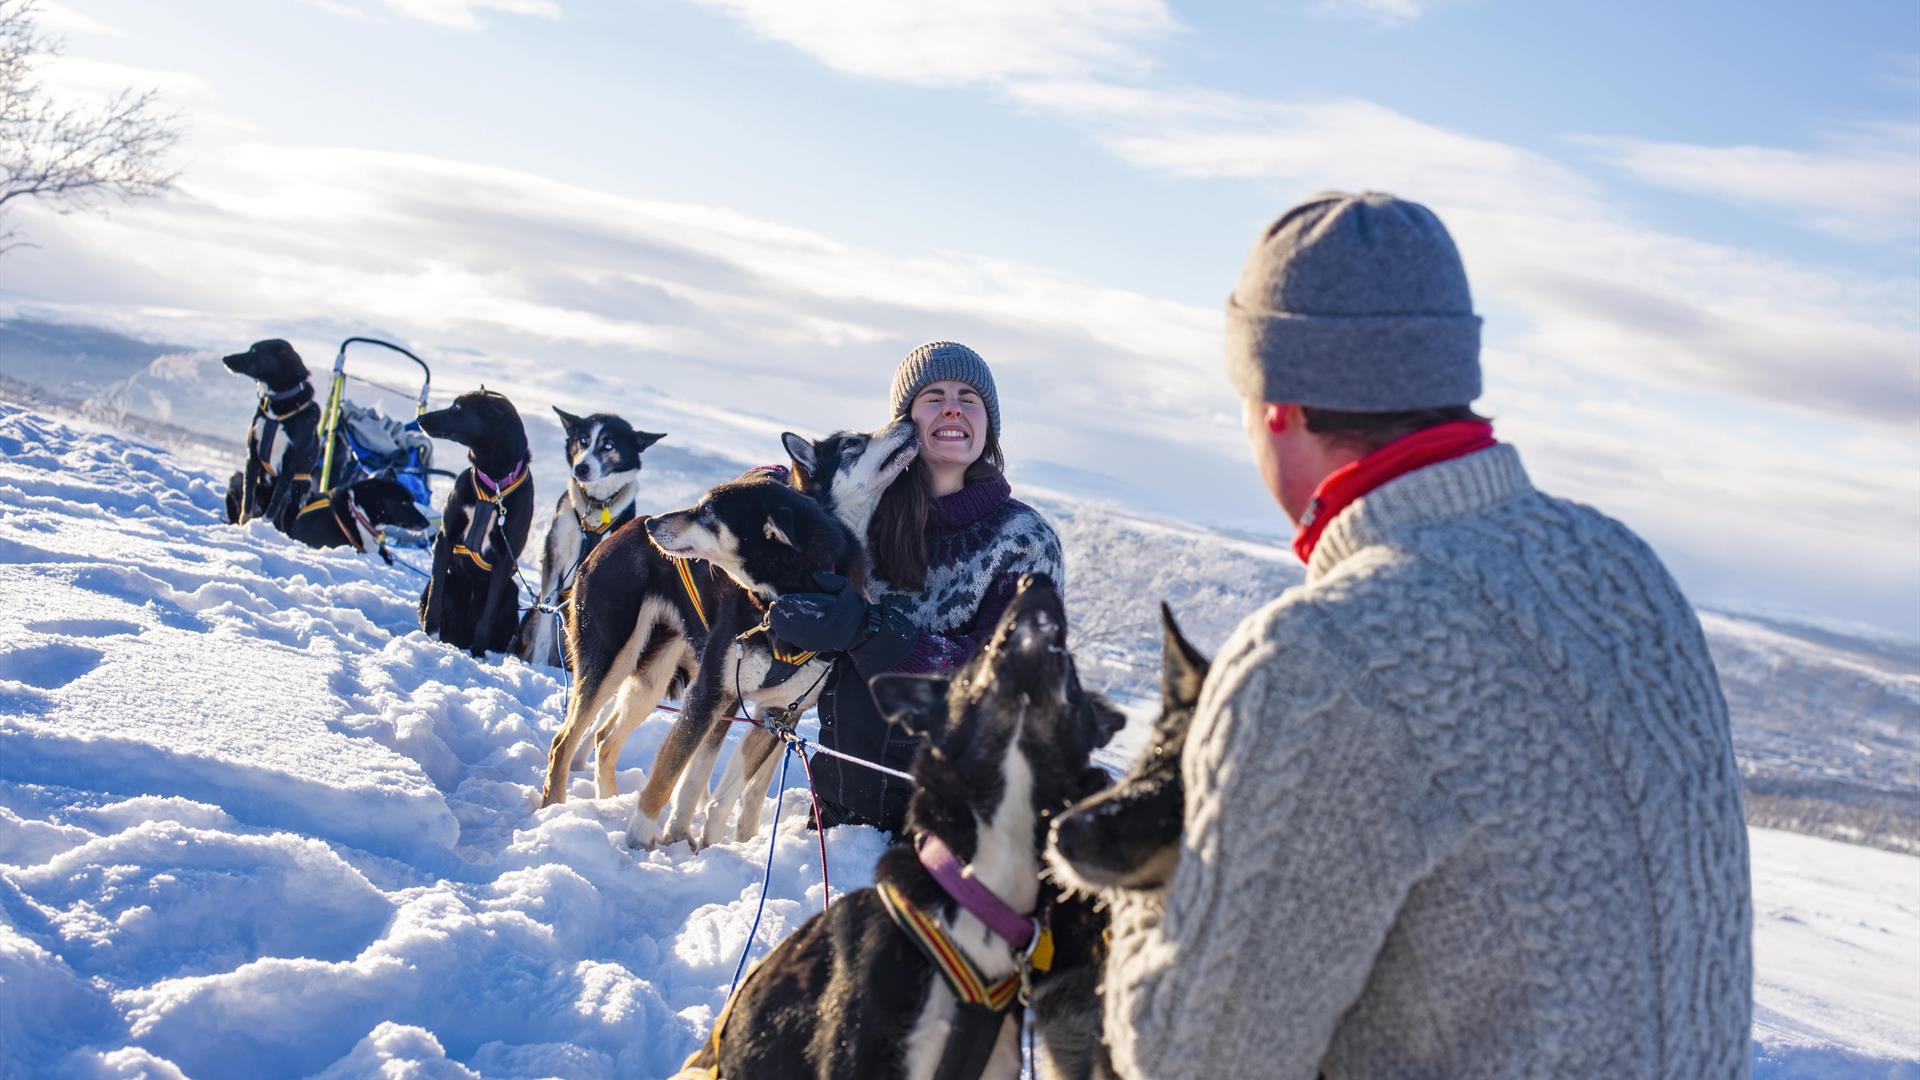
592, 530
980, 1009
270, 422
693, 591
487, 509
784, 663
354, 537
597, 525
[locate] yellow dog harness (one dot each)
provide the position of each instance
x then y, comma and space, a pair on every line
482, 520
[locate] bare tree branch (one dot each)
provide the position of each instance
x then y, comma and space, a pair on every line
72, 156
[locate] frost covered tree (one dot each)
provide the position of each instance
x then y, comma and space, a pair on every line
70, 155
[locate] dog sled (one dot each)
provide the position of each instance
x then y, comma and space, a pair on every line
362, 441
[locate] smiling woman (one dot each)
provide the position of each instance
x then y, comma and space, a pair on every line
949, 544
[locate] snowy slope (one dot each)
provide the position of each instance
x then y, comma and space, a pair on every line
253, 823
249, 814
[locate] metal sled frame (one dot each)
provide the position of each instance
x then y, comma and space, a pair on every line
336, 396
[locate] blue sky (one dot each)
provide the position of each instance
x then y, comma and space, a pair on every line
1694, 229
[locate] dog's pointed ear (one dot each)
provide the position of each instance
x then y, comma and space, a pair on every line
780, 527
801, 451
916, 704
1102, 721
645, 439
568, 421
1182, 668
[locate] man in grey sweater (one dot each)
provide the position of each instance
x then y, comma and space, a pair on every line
1463, 803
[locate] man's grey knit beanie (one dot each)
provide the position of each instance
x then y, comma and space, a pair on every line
1357, 303
937, 360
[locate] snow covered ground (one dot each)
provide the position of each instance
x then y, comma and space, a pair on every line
253, 823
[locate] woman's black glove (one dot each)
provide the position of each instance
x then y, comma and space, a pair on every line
877, 636
830, 621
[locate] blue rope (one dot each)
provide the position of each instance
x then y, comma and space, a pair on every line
766, 880
398, 561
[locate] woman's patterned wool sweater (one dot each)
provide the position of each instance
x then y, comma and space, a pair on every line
1463, 804
979, 541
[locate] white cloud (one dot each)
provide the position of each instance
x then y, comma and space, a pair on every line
598, 294
1384, 12
987, 41
695, 297
1862, 183
75, 77
61, 19
455, 14
1591, 287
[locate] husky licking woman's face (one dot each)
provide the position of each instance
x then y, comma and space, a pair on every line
603, 451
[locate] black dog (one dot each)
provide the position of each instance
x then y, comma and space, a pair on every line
1128, 836
603, 455
469, 601
855, 992
283, 443
351, 516
1123, 837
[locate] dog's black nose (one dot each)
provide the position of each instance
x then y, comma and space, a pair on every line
1073, 834
581, 470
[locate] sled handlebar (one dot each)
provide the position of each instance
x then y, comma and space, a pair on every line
426, 381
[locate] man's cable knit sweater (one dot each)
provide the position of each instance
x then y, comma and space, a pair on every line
1463, 804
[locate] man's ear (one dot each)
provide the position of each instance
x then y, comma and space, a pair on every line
801, 451
1278, 417
648, 438
779, 527
916, 704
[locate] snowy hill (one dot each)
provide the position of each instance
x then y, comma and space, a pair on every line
1826, 719
253, 823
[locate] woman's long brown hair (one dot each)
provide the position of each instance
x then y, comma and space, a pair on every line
897, 535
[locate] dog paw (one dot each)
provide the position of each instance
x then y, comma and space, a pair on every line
642, 834
714, 833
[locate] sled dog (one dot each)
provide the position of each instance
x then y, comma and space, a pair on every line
603, 475
1126, 837
470, 600
907, 978
639, 621
283, 441
768, 539
351, 515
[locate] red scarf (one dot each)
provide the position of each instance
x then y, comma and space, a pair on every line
1428, 446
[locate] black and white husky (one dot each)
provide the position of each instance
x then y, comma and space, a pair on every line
1123, 839
641, 620
856, 991
603, 463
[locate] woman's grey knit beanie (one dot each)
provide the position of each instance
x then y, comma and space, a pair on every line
937, 360
1357, 303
